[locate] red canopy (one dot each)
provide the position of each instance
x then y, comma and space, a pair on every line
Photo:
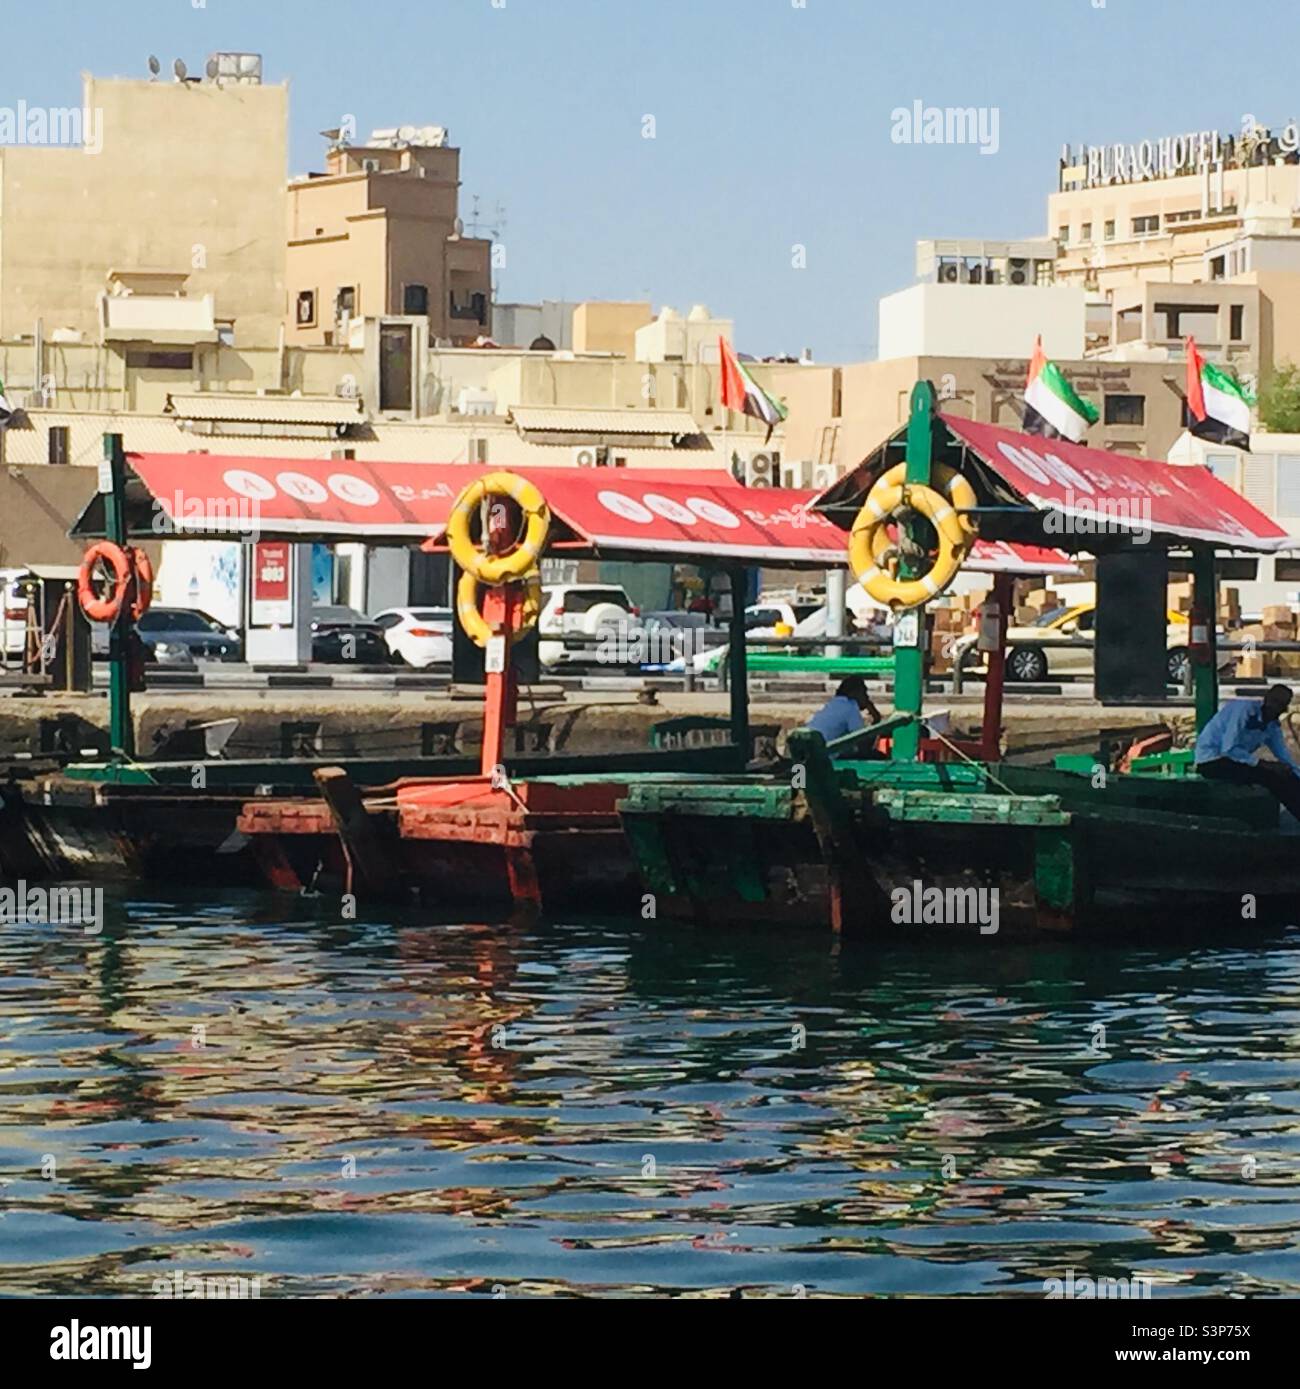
1183, 501
678, 513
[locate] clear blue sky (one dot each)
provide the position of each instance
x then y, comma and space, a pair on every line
772, 121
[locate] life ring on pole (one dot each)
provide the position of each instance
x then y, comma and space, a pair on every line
476, 625
882, 503
498, 569
954, 485
142, 599
96, 607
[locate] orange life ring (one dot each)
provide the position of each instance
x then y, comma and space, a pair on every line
143, 596
99, 609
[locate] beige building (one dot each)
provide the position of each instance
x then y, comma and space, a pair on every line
604, 325
379, 233
185, 178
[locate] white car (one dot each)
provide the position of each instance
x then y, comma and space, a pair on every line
582, 610
13, 612
418, 636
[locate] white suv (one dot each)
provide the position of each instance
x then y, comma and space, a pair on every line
582, 610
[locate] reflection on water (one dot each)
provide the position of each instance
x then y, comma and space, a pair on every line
392, 1107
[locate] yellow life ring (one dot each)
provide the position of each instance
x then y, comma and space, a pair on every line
498, 569
954, 544
954, 485
476, 625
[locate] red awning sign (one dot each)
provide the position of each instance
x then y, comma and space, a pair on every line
1130, 493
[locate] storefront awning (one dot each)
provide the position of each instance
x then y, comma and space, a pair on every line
674, 514
1043, 489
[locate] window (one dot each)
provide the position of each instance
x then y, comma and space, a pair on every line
59, 436
1236, 314
837, 392
345, 303
1216, 267
1237, 571
415, 300
1110, 231
1288, 484
1085, 232
395, 366
1063, 234
1286, 570
1126, 409
469, 305
584, 599
1223, 466
305, 315
1146, 226
161, 361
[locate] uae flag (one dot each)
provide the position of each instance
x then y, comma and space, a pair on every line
740, 392
1218, 405
1052, 407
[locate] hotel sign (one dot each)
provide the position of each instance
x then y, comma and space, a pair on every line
1096, 166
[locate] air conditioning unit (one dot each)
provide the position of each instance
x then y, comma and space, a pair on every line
796, 477
1019, 271
763, 469
824, 475
475, 400
591, 456
976, 274
951, 272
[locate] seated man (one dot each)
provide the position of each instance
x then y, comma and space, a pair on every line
1230, 743
842, 713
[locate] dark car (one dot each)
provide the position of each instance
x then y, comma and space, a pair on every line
181, 636
342, 635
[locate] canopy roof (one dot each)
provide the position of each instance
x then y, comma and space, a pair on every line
684, 514
1052, 492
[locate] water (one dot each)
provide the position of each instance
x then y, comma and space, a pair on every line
656, 1111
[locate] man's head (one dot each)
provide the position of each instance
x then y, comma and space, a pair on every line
1276, 702
855, 688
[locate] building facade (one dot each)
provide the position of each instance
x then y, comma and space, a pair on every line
379, 233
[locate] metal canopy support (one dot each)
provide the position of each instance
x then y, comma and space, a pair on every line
737, 666
121, 729
995, 678
1203, 650
909, 631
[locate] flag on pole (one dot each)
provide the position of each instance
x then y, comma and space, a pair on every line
1218, 405
742, 393
1052, 406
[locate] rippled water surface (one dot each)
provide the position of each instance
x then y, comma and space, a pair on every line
607, 1109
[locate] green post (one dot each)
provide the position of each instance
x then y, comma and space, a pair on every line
112, 483
738, 668
909, 657
1204, 652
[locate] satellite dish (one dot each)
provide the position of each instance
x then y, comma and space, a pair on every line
212, 69
179, 69
155, 66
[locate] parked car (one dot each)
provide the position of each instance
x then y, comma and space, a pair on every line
418, 636
179, 636
13, 612
672, 635
342, 635
1060, 642
582, 610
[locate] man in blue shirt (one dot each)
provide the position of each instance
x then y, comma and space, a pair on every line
842, 713
1230, 743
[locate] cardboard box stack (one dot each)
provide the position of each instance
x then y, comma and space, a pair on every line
1277, 623
1031, 604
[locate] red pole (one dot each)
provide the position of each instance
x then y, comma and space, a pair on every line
500, 695
991, 734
